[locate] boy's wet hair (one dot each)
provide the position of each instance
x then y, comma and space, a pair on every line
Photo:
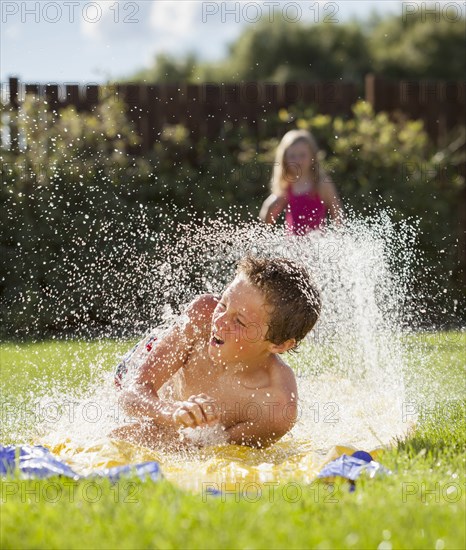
288, 289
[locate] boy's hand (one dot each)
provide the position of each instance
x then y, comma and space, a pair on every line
199, 410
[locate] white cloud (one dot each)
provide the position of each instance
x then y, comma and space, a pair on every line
12, 32
174, 17
180, 26
116, 21
154, 26
173, 24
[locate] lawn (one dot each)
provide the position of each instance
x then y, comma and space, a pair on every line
421, 505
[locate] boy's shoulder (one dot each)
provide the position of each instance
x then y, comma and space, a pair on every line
199, 312
203, 305
286, 395
282, 377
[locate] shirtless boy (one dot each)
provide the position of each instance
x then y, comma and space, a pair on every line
220, 362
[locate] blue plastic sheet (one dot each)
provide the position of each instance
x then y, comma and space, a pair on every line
37, 462
352, 466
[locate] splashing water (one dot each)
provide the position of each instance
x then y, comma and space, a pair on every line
350, 369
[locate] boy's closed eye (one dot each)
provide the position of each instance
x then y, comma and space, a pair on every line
238, 320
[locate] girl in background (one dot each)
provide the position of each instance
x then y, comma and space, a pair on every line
301, 186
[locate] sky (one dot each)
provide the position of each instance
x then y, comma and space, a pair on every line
80, 41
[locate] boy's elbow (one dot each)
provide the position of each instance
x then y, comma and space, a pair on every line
275, 433
282, 424
126, 401
132, 400
285, 419
290, 414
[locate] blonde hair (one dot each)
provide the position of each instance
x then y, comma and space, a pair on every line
279, 182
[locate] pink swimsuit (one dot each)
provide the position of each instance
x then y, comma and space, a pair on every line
304, 212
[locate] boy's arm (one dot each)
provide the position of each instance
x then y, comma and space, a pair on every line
276, 418
141, 399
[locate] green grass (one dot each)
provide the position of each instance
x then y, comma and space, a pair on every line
421, 505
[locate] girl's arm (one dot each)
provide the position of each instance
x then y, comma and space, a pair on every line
272, 208
329, 195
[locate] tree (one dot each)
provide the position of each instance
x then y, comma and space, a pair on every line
420, 46
286, 51
167, 68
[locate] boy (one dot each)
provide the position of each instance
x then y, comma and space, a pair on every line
220, 364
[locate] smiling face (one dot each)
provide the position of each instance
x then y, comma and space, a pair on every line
298, 160
239, 325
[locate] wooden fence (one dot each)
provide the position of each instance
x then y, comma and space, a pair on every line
440, 104
204, 108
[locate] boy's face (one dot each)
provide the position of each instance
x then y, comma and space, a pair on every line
239, 324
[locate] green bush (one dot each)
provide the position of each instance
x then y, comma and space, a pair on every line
66, 197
